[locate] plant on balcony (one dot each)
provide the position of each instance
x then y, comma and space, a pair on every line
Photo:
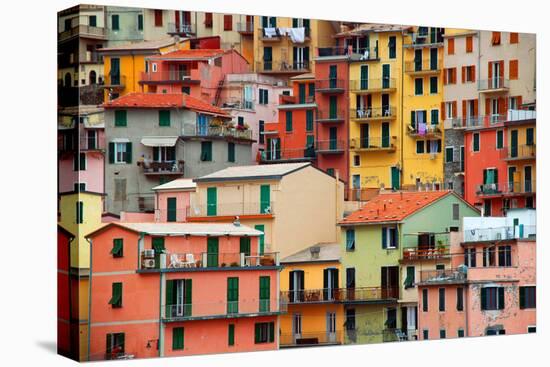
243, 127
230, 125
216, 123
234, 264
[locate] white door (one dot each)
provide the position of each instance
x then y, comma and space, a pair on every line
296, 326
411, 320
331, 327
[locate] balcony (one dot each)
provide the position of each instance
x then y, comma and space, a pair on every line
289, 102
463, 122
499, 233
181, 29
422, 67
331, 146
310, 338
278, 33
330, 86
423, 131
245, 28
85, 145
374, 144
493, 85
238, 104
288, 155
442, 276
368, 295
423, 39
338, 295
330, 116
368, 114
283, 67
166, 168
488, 190
519, 153
372, 85
232, 209
191, 130
115, 81
82, 30
421, 254
167, 77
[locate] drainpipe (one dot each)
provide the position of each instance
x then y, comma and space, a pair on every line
89, 300
466, 310
161, 325
402, 132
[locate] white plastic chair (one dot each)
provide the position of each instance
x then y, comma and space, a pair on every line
190, 260
175, 261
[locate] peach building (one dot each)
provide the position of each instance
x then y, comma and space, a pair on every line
490, 288
163, 289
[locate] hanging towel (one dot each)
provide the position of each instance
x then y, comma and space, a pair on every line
297, 35
283, 31
270, 32
422, 128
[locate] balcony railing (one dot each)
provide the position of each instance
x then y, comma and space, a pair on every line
330, 146
293, 100
330, 85
366, 294
266, 36
519, 152
238, 103
199, 260
442, 276
507, 188
356, 54
162, 168
231, 209
492, 84
463, 122
415, 253
335, 295
424, 39
283, 66
82, 30
372, 85
181, 29
333, 51
422, 66
373, 113
220, 131
310, 338
85, 144
245, 27
424, 130
500, 233
173, 76
288, 155
327, 115
374, 143
115, 81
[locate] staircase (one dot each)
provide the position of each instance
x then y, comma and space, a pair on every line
218, 92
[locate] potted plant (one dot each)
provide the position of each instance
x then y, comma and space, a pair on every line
234, 264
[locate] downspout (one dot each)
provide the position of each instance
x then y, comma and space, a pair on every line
89, 299
402, 132
466, 325
70, 298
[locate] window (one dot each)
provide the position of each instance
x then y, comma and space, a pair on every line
456, 211
231, 152
442, 334
468, 74
227, 22
531, 329
206, 151
261, 128
264, 332
391, 318
115, 22
230, 329
495, 39
118, 247
177, 338
450, 46
79, 212
264, 93
470, 257
513, 69
309, 120
330, 172
505, 256
420, 146
121, 118
475, 142
460, 333
489, 256
79, 162
115, 345
155, 68
433, 85
232, 295
418, 86
441, 299
425, 300
288, 121
79, 186
492, 298
140, 22
527, 297
529, 136
350, 319
460, 299
391, 47
410, 279
158, 18
350, 239
116, 295
500, 139
265, 282
449, 76
435, 117
389, 237
469, 44
425, 334
514, 38
164, 118
356, 160
92, 21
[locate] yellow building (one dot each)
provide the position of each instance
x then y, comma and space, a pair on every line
375, 90
80, 213
280, 48
125, 64
422, 161
520, 155
309, 284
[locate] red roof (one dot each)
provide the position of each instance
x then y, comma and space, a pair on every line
393, 207
190, 54
163, 100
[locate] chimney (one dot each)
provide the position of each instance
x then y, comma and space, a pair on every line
314, 250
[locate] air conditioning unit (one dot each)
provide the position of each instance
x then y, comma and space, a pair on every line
148, 263
149, 253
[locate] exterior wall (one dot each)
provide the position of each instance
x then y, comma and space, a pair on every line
128, 25
152, 32
450, 320
183, 200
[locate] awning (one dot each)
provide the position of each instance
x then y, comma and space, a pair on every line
159, 141
120, 140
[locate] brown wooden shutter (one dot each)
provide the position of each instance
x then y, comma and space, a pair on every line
451, 46
520, 101
487, 106
473, 73
454, 109
443, 114
476, 107
469, 44
501, 71
514, 37
513, 69
501, 106
490, 70
463, 108
158, 18
445, 81
454, 75
463, 74
177, 20
227, 22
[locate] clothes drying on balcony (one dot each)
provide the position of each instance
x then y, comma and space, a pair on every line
270, 32
422, 128
297, 35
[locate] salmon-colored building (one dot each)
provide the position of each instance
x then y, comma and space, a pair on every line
490, 287
163, 289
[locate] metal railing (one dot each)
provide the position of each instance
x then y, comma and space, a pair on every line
288, 154
329, 85
463, 122
231, 209
245, 27
424, 130
327, 146
368, 294
500, 233
278, 35
423, 39
442, 276
329, 295
374, 143
422, 66
115, 81
197, 260
291, 100
333, 51
526, 151
82, 30
165, 76
162, 168
491, 189
366, 85
493, 83
222, 131
372, 113
85, 144
238, 103
311, 338
415, 253
181, 28
283, 66
327, 115
221, 308
357, 54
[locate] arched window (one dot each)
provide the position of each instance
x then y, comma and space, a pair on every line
68, 80
92, 77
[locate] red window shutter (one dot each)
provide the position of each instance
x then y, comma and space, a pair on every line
469, 44
451, 46
463, 74
501, 106
514, 37
476, 107
158, 18
490, 70
520, 101
501, 71
463, 108
445, 81
177, 20
208, 20
513, 69
454, 109
454, 75
227, 22
443, 114
487, 106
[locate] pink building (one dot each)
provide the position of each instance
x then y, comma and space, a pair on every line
173, 199
163, 289
197, 72
490, 287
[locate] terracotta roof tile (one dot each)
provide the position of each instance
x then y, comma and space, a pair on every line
393, 207
190, 54
163, 100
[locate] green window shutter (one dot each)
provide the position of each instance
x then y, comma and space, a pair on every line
232, 295
108, 348
206, 151
385, 134
116, 297
384, 237
164, 117
231, 152
521, 297
245, 246
172, 205
231, 335
413, 119
309, 120
158, 244
529, 136
114, 21
364, 77
257, 332
188, 301
261, 227
111, 153
500, 298
129, 152
333, 107
265, 198
476, 142
449, 152
140, 22
211, 201
418, 86
212, 249
433, 85
117, 249
271, 335
289, 121
302, 93
264, 293
177, 338
435, 117
484, 298
500, 139
169, 296
82, 166
79, 212
121, 118
420, 146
